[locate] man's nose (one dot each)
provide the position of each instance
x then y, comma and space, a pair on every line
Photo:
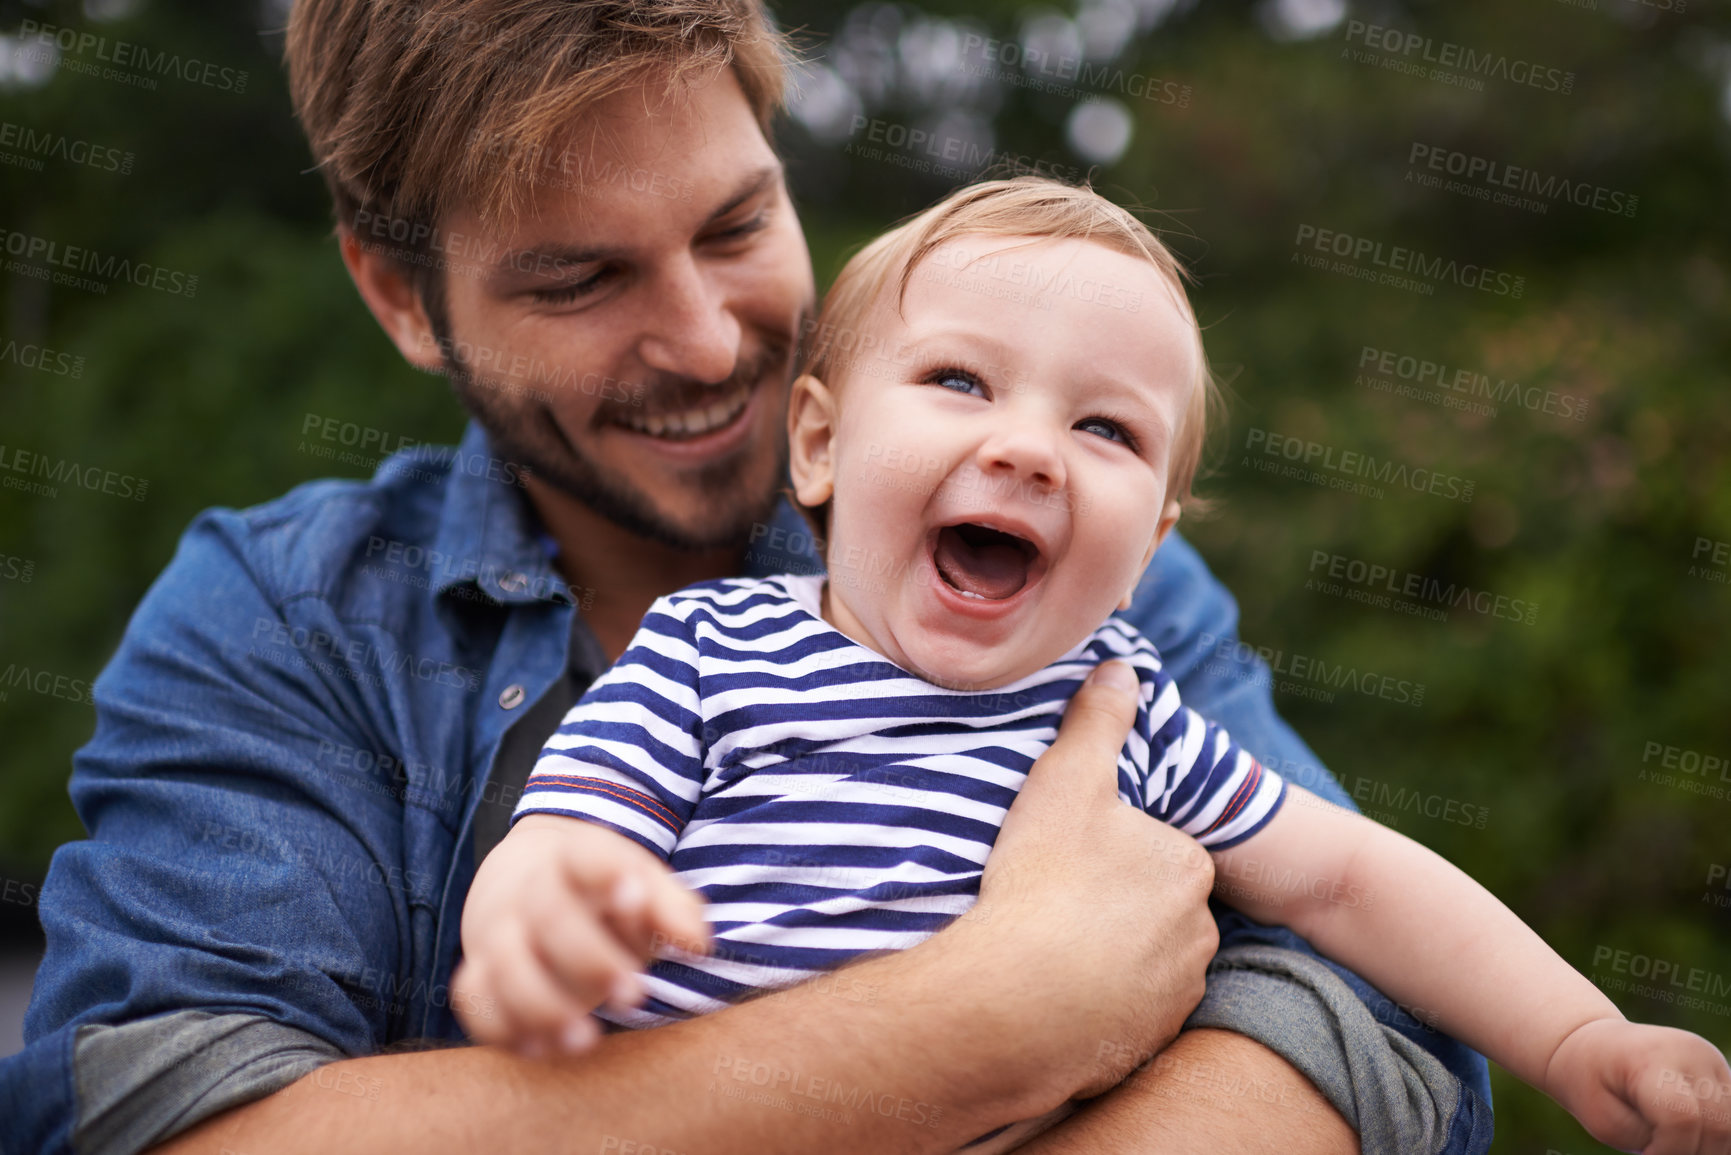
1030, 454
689, 330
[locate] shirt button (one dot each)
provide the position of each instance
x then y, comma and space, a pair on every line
514, 583
511, 696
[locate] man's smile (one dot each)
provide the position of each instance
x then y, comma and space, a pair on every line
691, 421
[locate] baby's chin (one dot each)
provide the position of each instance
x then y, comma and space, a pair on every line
959, 654
976, 669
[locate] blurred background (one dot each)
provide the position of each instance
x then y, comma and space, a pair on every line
1466, 270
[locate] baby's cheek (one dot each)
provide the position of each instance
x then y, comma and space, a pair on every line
1099, 577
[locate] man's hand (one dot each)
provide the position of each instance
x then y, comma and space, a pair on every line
1638, 1087
1099, 912
561, 917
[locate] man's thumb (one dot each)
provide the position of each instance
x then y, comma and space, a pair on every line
1095, 724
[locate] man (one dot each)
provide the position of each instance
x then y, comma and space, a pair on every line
321, 713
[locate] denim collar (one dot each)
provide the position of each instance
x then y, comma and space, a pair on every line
489, 535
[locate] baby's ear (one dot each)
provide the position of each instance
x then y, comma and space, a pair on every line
811, 418
1168, 519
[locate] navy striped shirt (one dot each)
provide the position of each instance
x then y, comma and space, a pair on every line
826, 802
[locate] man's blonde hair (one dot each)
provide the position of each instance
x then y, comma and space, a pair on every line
1023, 206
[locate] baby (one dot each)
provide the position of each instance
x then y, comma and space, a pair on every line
996, 425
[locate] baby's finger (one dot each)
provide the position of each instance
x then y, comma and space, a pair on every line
473, 1002
583, 956
651, 910
674, 913
472, 988
1676, 1132
609, 879
1678, 1097
532, 1006
625, 909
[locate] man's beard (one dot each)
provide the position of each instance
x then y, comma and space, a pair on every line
531, 437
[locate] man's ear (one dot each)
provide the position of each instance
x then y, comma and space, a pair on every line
811, 414
395, 305
1168, 519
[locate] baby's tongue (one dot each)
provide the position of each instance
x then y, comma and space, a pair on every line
981, 561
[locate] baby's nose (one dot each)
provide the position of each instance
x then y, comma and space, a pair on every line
1029, 454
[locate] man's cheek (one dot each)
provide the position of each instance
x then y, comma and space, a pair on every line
783, 279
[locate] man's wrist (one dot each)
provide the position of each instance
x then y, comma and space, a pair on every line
950, 993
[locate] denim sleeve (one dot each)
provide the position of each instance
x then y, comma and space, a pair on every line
1350, 1040
222, 873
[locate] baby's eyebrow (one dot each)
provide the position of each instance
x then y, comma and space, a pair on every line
1136, 396
1135, 391
959, 335
999, 354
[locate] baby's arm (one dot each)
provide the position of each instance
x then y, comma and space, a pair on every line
562, 916
566, 910
1430, 937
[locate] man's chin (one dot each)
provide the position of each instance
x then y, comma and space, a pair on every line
729, 529
711, 507
688, 506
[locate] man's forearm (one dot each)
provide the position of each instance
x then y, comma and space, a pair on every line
883, 1056
1210, 1091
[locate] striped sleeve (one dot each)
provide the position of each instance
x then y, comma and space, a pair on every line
629, 754
1199, 780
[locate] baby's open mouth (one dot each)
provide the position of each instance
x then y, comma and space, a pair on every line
980, 562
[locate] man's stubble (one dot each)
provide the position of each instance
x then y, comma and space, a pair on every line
734, 499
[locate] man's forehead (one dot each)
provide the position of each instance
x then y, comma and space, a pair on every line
653, 145
657, 119
579, 226
637, 122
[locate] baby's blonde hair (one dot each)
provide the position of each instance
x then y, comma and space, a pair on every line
1023, 206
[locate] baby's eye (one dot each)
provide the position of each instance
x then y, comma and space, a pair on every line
957, 380
1110, 430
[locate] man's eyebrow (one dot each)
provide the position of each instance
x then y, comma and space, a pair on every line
550, 259
555, 256
751, 185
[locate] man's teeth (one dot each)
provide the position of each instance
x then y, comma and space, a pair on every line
691, 422
971, 594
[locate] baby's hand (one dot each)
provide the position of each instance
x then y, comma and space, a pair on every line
1637, 1087
562, 916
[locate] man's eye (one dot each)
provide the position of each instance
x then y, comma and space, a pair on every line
743, 229
566, 294
1110, 430
957, 380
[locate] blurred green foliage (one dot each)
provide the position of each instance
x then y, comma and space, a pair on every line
1543, 727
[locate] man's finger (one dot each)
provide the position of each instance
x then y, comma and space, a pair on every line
1084, 758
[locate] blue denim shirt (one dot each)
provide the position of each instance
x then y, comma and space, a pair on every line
293, 752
